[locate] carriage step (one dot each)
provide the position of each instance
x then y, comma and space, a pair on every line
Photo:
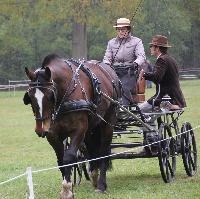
127, 132
123, 125
118, 136
131, 155
126, 145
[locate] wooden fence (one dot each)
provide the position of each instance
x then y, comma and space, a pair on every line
189, 73
184, 74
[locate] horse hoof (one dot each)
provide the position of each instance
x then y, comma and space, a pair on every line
100, 191
94, 178
66, 192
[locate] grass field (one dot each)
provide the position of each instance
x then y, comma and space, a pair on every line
138, 178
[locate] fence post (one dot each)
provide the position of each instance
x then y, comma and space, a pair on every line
30, 182
14, 89
9, 86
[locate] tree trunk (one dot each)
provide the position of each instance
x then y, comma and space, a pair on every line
79, 41
196, 42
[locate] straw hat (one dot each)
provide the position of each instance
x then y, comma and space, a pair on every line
122, 22
160, 40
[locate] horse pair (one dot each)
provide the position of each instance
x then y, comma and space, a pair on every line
67, 103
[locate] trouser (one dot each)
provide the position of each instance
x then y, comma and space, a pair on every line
145, 107
149, 136
129, 83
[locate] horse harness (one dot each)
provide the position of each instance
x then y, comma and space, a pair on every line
73, 105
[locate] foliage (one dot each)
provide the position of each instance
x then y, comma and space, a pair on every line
31, 29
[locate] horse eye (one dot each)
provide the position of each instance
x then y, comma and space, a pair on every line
51, 98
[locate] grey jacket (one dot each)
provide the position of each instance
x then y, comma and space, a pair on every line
131, 50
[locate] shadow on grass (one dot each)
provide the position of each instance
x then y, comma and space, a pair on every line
135, 179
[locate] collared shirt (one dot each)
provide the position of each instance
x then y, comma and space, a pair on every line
159, 55
131, 50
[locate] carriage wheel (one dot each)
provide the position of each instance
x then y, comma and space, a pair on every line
167, 153
189, 149
80, 169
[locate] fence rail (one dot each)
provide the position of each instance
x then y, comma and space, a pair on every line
184, 74
189, 73
14, 85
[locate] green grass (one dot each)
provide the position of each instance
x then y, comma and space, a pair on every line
138, 178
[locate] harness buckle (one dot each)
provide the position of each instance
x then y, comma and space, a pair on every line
54, 116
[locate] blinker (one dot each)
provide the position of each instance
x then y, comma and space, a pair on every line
26, 99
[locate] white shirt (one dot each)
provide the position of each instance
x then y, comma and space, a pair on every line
159, 55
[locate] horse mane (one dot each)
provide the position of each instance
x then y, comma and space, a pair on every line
49, 58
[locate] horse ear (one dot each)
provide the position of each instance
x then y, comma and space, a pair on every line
31, 75
48, 73
26, 99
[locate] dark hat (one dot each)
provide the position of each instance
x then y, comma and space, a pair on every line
160, 40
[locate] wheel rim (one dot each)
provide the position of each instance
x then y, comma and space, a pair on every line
168, 155
189, 150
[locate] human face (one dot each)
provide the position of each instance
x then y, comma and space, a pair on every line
122, 32
154, 50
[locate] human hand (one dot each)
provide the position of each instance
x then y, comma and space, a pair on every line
141, 75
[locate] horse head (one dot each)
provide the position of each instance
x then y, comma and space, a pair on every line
41, 94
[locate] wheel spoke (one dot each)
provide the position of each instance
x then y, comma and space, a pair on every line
190, 166
167, 169
86, 172
79, 169
164, 160
75, 167
170, 168
186, 155
186, 142
190, 160
193, 152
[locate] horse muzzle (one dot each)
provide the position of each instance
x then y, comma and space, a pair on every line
42, 129
42, 134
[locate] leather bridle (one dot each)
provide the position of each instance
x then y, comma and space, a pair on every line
49, 86
52, 87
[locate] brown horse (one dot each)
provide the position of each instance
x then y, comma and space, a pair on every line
67, 103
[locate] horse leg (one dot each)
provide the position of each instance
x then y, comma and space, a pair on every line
104, 163
94, 177
98, 145
58, 147
70, 156
106, 131
93, 145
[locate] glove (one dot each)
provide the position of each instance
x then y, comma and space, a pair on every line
135, 66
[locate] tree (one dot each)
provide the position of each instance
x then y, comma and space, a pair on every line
29, 30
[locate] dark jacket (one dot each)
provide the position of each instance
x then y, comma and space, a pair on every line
166, 74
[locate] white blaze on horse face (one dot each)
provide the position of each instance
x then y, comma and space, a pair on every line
39, 96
